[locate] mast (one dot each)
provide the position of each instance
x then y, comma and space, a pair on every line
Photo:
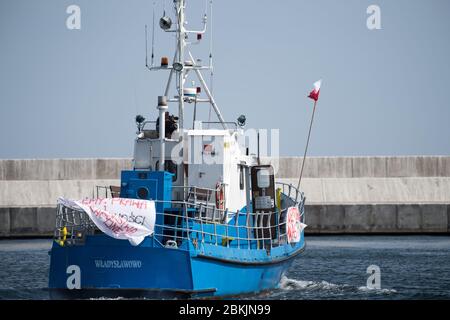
181, 69
180, 60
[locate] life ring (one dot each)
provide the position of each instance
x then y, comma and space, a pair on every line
220, 203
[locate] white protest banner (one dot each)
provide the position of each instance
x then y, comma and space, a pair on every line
294, 226
120, 218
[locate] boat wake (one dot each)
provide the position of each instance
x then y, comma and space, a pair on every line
287, 284
109, 298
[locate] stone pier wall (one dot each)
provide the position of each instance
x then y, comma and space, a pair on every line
344, 194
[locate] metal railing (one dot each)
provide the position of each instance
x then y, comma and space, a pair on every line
199, 222
241, 230
145, 124
218, 122
206, 196
105, 192
72, 226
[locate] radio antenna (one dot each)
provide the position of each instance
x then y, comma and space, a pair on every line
211, 75
153, 34
153, 41
146, 49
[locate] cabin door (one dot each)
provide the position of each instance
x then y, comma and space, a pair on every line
206, 162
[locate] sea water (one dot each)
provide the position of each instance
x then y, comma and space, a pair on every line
332, 267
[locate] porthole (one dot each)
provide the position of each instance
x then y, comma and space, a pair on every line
142, 193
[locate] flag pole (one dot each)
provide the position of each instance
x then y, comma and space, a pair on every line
307, 143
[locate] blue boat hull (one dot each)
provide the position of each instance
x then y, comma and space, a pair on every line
232, 278
113, 268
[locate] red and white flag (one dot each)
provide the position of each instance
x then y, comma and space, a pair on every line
315, 93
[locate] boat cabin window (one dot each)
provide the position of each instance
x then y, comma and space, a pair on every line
241, 177
263, 178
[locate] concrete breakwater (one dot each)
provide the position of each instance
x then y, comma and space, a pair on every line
344, 194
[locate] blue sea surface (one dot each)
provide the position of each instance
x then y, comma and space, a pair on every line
332, 267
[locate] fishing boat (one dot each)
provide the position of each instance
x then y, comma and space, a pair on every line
197, 216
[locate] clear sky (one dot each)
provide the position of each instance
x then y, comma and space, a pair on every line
75, 93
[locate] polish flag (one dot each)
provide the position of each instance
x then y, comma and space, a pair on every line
315, 93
